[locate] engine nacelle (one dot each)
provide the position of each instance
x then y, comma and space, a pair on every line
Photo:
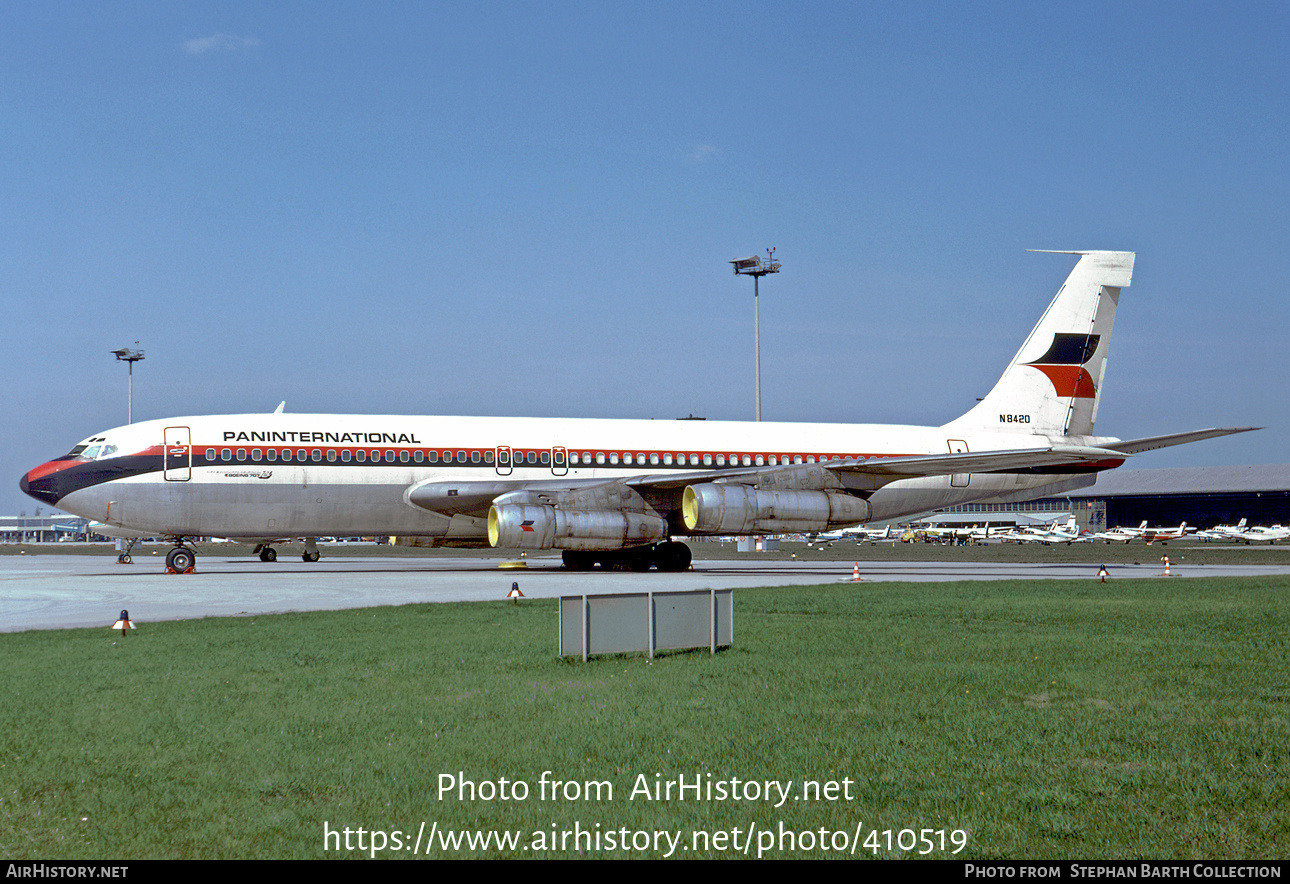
530, 526
714, 508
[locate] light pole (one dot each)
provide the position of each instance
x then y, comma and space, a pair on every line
753, 266
130, 357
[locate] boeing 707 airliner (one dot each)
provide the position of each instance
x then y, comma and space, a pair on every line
609, 492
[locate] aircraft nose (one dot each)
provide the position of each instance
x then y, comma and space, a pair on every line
41, 483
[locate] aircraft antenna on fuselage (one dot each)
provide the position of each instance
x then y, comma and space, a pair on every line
281, 406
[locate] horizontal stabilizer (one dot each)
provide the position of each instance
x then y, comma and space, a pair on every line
1136, 446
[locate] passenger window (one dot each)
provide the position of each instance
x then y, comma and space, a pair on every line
403, 456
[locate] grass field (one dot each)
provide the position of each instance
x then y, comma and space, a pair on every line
1040, 719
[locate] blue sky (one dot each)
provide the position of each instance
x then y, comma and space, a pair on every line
528, 209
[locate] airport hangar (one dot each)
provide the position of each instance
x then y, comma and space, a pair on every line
1200, 496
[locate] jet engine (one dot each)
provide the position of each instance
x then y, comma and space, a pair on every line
534, 526
713, 508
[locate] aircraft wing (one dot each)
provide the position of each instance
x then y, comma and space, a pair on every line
872, 473
855, 474
880, 471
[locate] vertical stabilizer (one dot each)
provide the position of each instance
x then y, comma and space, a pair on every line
1053, 383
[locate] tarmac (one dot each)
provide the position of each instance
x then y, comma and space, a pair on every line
68, 591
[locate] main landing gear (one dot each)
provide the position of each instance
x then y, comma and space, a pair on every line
669, 556
269, 554
181, 559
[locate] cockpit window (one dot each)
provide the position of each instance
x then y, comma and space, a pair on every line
93, 452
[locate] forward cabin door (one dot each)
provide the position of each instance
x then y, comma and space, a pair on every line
177, 454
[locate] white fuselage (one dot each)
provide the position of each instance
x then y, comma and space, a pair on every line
292, 475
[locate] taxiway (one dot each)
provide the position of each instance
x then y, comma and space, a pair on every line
64, 591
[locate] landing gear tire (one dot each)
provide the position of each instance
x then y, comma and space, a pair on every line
672, 556
639, 559
268, 554
180, 560
311, 555
578, 560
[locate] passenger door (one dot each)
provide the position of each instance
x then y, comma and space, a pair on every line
177, 454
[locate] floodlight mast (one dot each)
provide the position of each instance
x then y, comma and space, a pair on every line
129, 357
753, 266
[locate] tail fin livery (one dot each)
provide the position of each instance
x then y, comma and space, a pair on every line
1053, 383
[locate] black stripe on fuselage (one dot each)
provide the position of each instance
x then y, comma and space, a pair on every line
53, 487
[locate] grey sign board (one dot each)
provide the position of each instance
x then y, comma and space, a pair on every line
646, 622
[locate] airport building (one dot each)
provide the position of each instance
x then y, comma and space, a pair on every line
1199, 496
54, 528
